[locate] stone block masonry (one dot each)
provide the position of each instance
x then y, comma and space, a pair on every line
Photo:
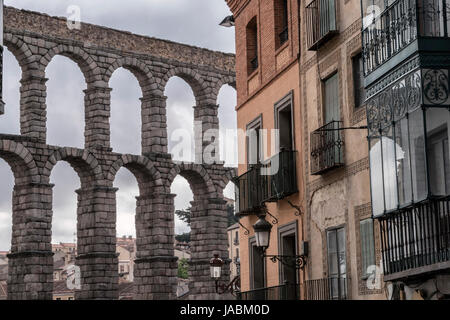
34, 39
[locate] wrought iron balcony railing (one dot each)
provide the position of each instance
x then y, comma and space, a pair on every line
321, 22
416, 238
327, 289
269, 181
327, 148
282, 181
249, 192
321, 289
283, 292
400, 24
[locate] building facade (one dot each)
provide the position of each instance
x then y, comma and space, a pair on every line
233, 250
269, 111
374, 225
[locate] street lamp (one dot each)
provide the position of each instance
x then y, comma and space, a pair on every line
216, 265
227, 22
262, 234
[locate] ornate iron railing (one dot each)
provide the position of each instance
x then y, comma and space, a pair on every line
327, 289
283, 292
321, 22
399, 25
249, 191
271, 180
416, 236
327, 148
282, 181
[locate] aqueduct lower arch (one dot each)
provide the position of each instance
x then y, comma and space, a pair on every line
35, 39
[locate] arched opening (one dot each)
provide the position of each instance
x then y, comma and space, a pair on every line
183, 199
65, 103
10, 120
126, 194
227, 115
180, 119
6, 187
64, 223
125, 121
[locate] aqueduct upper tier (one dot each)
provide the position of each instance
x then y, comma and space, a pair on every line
34, 39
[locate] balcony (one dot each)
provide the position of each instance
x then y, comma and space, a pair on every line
321, 22
416, 240
327, 148
320, 289
269, 181
403, 28
327, 289
283, 292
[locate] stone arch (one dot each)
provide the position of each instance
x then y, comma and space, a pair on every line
138, 68
21, 162
21, 52
83, 162
229, 176
193, 78
87, 65
229, 80
147, 176
198, 177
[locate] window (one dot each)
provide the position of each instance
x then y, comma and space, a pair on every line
254, 152
331, 99
252, 46
358, 80
367, 245
281, 22
257, 267
284, 122
122, 269
337, 265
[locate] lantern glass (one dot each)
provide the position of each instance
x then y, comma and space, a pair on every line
262, 239
216, 272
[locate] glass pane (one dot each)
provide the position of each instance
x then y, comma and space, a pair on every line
332, 112
437, 150
403, 162
341, 249
389, 170
331, 241
376, 177
418, 164
367, 244
332, 264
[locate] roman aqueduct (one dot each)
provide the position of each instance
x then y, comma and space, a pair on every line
35, 39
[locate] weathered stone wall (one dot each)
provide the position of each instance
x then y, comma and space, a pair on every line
35, 39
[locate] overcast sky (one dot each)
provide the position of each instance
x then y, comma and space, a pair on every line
187, 21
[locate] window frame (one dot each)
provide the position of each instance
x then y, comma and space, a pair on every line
287, 102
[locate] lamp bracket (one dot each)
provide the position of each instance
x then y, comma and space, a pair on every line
246, 232
299, 211
298, 262
274, 220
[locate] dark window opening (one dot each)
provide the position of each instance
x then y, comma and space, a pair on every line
252, 46
281, 22
358, 80
257, 271
285, 127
